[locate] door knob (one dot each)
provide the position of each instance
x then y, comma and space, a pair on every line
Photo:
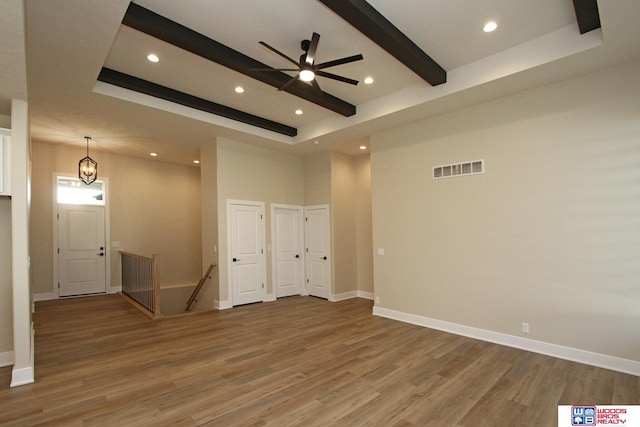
236, 259
324, 258
101, 254
297, 256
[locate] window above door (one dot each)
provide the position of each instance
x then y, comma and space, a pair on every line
72, 191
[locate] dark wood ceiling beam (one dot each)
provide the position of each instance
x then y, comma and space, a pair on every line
587, 15
372, 24
162, 28
162, 92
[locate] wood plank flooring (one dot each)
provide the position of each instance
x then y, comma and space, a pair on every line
296, 361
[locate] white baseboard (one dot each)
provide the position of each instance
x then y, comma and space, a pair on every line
270, 298
44, 296
22, 376
222, 305
352, 294
366, 295
25, 375
343, 296
561, 352
6, 359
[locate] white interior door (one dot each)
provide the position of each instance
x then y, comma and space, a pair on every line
288, 250
81, 252
246, 234
317, 243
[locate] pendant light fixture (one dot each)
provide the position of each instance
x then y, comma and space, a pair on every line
87, 167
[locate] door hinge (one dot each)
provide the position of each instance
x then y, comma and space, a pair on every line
262, 251
307, 249
58, 250
263, 286
58, 285
260, 216
307, 280
58, 216
306, 219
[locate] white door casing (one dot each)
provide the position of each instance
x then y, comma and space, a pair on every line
317, 250
82, 250
246, 252
287, 233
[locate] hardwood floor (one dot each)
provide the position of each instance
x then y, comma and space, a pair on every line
297, 361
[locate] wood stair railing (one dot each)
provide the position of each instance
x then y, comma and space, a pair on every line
198, 288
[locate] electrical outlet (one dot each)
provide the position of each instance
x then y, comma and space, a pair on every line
525, 328
377, 300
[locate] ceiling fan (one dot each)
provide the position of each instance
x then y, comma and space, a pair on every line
307, 69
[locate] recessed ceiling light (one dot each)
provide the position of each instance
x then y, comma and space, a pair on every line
196, 162
153, 57
239, 89
298, 111
489, 26
316, 142
363, 147
153, 154
368, 80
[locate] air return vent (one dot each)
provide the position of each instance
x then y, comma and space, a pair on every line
458, 169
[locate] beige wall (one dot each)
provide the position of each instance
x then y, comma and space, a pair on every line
344, 183
209, 214
343, 224
548, 235
317, 179
364, 237
154, 207
251, 173
6, 300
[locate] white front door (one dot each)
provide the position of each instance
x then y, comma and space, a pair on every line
288, 251
317, 242
246, 252
81, 257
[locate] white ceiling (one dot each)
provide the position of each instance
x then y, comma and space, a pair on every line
69, 41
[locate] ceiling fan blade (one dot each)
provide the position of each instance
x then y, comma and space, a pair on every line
336, 77
311, 53
276, 51
274, 69
283, 87
316, 86
340, 61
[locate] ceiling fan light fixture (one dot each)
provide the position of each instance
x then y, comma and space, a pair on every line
307, 75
